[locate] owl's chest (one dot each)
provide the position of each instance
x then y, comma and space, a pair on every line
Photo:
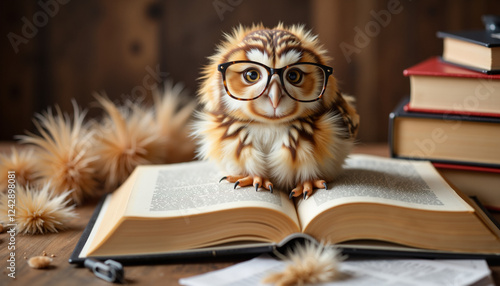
267, 138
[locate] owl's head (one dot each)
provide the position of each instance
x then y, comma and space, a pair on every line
268, 75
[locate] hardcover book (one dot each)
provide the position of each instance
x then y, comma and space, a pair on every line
378, 205
443, 88
477, 49
444, 138
480, 182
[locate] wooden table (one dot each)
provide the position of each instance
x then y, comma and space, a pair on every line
61, 245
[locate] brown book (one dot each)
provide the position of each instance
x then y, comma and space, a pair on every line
181, 209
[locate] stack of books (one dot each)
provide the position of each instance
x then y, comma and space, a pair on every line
452, 116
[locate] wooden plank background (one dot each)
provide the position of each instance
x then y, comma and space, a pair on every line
126, 47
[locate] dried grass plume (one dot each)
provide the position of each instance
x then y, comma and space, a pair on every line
24, 165
310, 263
38, 211
127, 137
65, 158
134, 134
173, 113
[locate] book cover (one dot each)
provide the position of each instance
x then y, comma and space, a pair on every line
355, 249
161, 202
445, 138
476, 50
438, 87
478, 37
198, 255
435, 67
480, 182
472, 67
409, 108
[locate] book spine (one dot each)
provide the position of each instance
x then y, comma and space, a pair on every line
466, 168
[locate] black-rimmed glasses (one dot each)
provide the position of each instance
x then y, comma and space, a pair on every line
248, 80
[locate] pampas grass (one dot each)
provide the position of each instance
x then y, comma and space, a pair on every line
172, 115
24, 165
38, 211
92, 157
133, 134
72, 159
126, 138
64, 157
311, 263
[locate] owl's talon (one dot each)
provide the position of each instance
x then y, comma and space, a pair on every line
244, 181
326, 187
306, 188
319, 184
268, 185
292, 193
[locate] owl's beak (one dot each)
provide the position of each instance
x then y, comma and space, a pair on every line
274, 92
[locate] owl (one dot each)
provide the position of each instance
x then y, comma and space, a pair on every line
272, 116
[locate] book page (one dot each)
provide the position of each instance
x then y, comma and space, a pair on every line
370, 179
193, 188
357, 272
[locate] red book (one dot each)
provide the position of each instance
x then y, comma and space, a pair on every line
439, 87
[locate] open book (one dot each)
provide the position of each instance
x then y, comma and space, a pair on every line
181, 208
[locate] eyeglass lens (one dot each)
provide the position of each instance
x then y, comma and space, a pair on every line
249, 80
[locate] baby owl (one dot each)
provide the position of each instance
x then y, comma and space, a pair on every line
273, 116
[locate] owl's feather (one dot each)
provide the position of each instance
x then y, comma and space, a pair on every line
293, 144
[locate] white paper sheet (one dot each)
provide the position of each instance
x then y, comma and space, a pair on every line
399, 272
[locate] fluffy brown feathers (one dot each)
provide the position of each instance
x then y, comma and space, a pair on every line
173, 112
63, 153
89, 157
23, 163
126, 138
273, 115
308, 264
134, 134
38, 211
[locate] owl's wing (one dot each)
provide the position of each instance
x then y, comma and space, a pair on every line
344, 105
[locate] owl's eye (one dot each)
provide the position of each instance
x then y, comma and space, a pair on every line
294, 76
251, 75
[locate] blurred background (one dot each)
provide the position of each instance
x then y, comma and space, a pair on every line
53, 51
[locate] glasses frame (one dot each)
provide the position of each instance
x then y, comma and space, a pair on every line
272, 71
